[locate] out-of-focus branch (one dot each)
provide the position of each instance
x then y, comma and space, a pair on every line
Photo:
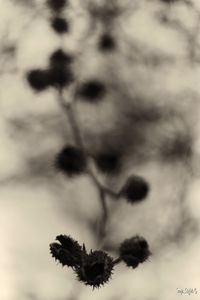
69, 110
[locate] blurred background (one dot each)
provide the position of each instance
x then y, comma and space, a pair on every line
149, 119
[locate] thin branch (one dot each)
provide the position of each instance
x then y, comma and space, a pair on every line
68, 108
70, 115
117, 261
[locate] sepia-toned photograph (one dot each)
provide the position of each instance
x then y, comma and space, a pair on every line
100, 149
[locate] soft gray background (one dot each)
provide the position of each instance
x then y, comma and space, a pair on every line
155, 69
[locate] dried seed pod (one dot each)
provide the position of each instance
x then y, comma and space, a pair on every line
134, 251
38, 79
68, 251
92, 91
60, 58
56, 5
96, 269
108, 162
60, 25
71, 161
106, 43
61, 77
135, 189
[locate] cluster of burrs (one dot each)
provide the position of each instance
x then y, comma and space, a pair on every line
59, 72
57, 75
72, 160
96, 267
58, 22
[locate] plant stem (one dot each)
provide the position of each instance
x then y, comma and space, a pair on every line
117, 261
68, 108
104, 217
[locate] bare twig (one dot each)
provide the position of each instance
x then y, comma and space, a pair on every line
117, 261
68, 108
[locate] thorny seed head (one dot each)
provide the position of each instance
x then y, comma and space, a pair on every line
71, 161
38, 79
135, 189
96, 269
60, 25
134, 251
60, 58
106, 43
108, 162
56, 5
92, 91
61, 76
68, 251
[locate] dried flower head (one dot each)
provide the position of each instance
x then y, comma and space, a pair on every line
71, 161
96, 268
61, 76
92, 91
108, 162
38, 79
106, 43
135, 189
68, 251
60, 58
56, 5
134, 251
60, 25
